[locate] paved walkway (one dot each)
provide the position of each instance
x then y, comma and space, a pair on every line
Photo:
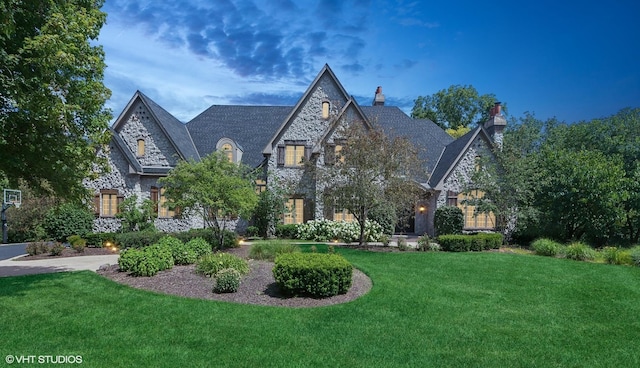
10, 267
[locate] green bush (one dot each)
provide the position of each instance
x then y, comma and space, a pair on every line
423, 243
465, 243
546, 247
384, 215
227, 281
448, 220
314, 274
635, 255
138, 239
182, 255
580, 252
56, 249
617, 256
253, 231
66, 220
147, 261
385, 239
286, 231
268, 250
35, 248
98, 240
199, 246
129, 259
231, 239
402, 244
77, 243
211, 264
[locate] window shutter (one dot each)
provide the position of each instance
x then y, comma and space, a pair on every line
96, 204
177, 213
307, 153
329, 154
307, 213
280, 157
154, 198
120, 200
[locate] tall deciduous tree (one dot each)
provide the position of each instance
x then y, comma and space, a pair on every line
454, 107
214, 188
52, 116
371, 170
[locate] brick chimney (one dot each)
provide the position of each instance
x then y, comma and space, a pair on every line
496, 123
378, 100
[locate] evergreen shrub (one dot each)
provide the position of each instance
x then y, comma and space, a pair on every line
315, 274
546, 247
448, 220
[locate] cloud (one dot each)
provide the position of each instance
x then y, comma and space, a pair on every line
265, 40
265, 99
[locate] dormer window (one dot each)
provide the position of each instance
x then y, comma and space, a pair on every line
140, 148
227, 149
325, 109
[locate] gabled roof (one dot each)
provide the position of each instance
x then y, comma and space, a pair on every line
326, 70
175, 131
429, 138
248, 126
452, 153
351, 103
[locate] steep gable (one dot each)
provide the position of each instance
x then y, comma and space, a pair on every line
165, 140
306, 121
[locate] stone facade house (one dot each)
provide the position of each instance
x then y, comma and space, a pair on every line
148, 141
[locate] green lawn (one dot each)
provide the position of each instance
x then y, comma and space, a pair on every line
425, 310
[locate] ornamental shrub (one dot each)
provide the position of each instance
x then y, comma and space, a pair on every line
147, 261
325, 230
199, 246
315, 274
465, 243
183, 255
35, 248
448, 220
385, 216
227, 281
56, 249
162, 253
617, 256
98, 240
546, 247
66, 220
635, 255
268, 250
231, 239
211, 264
286, 231
580, 252
129, 258
77, 243
423, 243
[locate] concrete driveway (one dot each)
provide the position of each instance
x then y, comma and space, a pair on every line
10, 267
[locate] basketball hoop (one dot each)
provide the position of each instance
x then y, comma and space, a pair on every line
12, 197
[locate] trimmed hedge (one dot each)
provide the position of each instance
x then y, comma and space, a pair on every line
138, 239
231, 239
98, 240
286, 231
448, 220
466, 243
315, 274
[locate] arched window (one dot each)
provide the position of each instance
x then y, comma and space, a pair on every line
227, 149
325, 109
140, 147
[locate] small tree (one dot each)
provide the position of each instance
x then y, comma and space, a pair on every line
371, 170
213, 188
269, 210
135, 216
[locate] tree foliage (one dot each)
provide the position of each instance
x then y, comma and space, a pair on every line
213, 188
52, 118
371, 171
454, 107
136, 216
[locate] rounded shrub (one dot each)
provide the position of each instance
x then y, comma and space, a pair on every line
448, 220
580, 252
227, 281
66, 220
129, 258
635, 255
211, 264
546, 247
617, 256
200, 246
315, 274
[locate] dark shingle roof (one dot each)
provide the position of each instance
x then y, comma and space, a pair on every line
250, 127
429, 138
450, 155
176, 130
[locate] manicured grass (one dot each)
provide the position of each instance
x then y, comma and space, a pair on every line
425, 310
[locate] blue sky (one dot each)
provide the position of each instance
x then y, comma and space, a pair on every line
574, 62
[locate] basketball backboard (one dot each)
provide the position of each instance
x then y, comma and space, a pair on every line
12, 197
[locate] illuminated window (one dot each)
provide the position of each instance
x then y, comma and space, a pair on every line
471, 219
295, 211
343, 215
261, 186
227, 149
140, 147
325, 109
109, 203
294, 155
163, 210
